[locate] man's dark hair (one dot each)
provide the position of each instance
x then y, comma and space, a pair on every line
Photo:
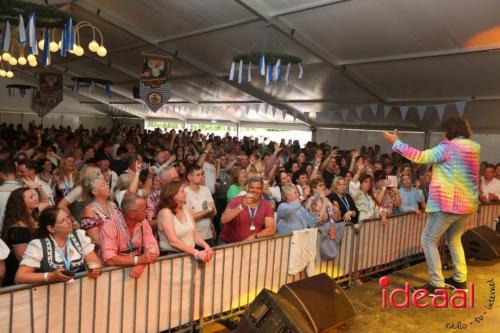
121, 151
8, 168
455, 126
489, 166
192, 168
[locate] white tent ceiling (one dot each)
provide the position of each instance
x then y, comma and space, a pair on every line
355, 52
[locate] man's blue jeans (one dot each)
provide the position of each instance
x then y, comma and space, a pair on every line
452, 225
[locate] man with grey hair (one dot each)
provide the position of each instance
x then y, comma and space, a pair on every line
165, 176
291, 215
129, 241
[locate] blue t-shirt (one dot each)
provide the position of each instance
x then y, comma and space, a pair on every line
410, 199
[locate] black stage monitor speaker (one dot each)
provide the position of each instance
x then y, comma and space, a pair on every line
321, 301
271, 313
482, 243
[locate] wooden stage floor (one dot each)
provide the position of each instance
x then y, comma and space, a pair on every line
373, 318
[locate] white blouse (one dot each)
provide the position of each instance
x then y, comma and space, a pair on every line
34, 252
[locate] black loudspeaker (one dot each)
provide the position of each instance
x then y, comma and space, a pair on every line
320, 300
135, 92
497, 228
271, 313
482, 243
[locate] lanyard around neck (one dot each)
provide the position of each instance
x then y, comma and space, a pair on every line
252, 212
345, 202
66, 258
102, 211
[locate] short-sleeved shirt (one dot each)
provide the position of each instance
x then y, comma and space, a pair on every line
42, 255
195, 201
114, 240
410, 199
100, 217
152, 203
14, 236
239, 228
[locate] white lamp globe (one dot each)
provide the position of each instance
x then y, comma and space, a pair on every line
22, 61
41, 44
33, 63
3, 73
101, 51
31, 58
10, 75
53, 46
12, 61
93, 46
6, 56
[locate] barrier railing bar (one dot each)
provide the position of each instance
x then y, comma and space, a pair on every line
181, 291
281, 263
232, 279
47, 309
122, 305
249, 272
80, 307
94, 308
159, 296
223, 274
170, 294
257, 270
32, 315
134, 322
272, 266
240, 275
214, 265
147, 299
11, 314
191, 291
64, 309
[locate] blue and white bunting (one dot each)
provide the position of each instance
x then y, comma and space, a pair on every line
306, 116
262, 65
330, 116
343, 114
374, 107
301, 71
440, 110
421, 111
6, 37
22, 30
271, 71
387, 110
274, 111
240, 72
231, 72
247, 107
266, 108
277, 69
46, 48
249, 72
284, 114
287, 73
268, 74
359, 112
404, 110
32, 42
294, 114
460, 108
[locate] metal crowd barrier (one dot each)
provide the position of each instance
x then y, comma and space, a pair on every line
176, 293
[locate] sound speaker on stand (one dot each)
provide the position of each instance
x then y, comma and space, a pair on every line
310, 305
482, 243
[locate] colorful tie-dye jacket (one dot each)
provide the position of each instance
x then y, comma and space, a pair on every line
454, 186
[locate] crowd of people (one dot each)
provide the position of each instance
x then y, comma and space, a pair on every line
76, 200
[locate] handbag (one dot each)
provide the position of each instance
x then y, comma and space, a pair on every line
327, 246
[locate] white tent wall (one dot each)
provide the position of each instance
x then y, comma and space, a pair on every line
354, 139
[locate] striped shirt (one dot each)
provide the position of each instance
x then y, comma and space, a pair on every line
454, 187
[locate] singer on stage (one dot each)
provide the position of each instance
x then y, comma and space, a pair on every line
453, 196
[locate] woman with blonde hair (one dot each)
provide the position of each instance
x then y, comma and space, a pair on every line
340, 194
74, 202
66, 177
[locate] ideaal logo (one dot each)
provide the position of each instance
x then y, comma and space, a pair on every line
458, 299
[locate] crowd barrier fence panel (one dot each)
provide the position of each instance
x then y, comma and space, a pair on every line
178, 293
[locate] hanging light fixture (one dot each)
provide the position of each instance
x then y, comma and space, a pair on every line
93, 45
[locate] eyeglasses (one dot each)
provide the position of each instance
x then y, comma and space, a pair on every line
64, 221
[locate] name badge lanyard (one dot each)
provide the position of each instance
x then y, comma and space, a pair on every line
66, 258
107, 206
345, 202
369, 203
68, 185
127, 237
252, 213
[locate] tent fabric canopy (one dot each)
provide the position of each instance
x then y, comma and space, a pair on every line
354, 52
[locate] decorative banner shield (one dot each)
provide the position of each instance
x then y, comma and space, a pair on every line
49, 95
154, 89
